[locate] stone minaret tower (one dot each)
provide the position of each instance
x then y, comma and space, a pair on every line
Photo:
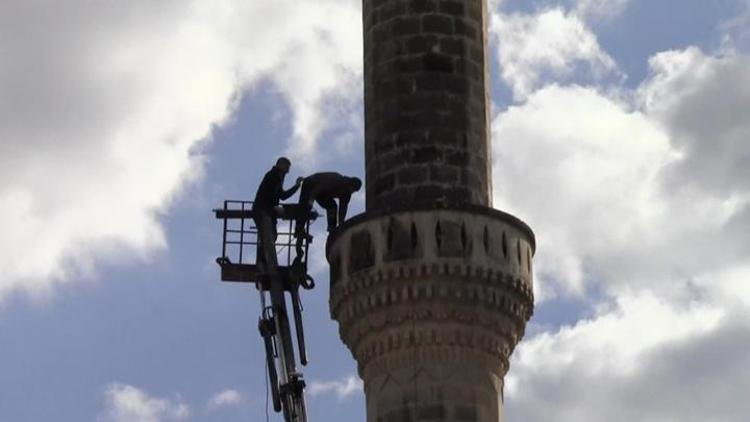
432, 288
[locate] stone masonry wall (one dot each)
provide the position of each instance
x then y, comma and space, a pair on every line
431, 287
431, 305
426, 121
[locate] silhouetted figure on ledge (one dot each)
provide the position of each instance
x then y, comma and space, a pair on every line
325, 189
265, 208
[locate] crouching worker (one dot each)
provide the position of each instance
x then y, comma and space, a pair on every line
325, 189
265, 209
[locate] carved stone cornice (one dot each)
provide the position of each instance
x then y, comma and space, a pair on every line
437, 283
366, 291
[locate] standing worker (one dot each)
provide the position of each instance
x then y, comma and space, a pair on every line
265, 209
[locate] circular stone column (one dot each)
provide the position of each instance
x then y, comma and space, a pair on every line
426, 102
431, 304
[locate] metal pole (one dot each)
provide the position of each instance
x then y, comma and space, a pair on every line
224, 236
242, 230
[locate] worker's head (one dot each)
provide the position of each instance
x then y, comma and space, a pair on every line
356, 184
283, 164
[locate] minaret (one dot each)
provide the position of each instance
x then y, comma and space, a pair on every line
431, 287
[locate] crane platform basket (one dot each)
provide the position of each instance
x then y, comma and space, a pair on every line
239, 251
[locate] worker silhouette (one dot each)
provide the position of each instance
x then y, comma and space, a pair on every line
325, 189
266, 209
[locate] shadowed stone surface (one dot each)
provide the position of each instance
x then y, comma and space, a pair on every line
426, 122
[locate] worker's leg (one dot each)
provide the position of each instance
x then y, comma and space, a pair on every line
259, 258
331, 210
300, 224
305, 202
266, 242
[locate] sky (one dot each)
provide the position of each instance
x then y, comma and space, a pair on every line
620, 135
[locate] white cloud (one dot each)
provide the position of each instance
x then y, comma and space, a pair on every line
102, 109
342, 388
226, 398
735, 31
644, 360
572, 150
654, 190
613, 340
644, 194
550, 45
599, 9
125, 403
700, 99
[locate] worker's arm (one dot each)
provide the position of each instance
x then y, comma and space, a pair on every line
285, 194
